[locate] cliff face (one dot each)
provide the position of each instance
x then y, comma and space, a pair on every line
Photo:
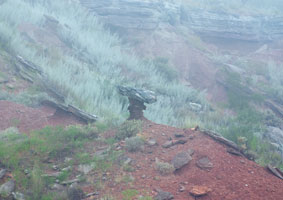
149, 14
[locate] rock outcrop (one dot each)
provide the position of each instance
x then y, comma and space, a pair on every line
137, 98
149, 14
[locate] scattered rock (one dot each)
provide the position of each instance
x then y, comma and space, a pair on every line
2, 173
55, 174
70, 181
234, 152
198, 191
191, 137
3, 80
66, 169
181, 141
10, 86
182, 188
91, 194
67, 159
18, 196
179, 135
162, 195
151, 142
180, 160
168, 144
55, 167
275, 171
191, 152
205, 163
195, 107
7, 188
57, 186
75, 192
85, 169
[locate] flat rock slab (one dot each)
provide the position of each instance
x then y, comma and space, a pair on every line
7, 188
180, 160
2, 173
162, 195
234, 152
198, 191
205, 163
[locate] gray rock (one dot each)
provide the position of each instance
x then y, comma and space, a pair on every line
55, 174
141, 95
191, 152
7, 188
180, 160
162, 195
57, 187
18, 196
195, 107
75, 192
168, 144
86, 168
205, 163
2, 173
70, 181
151, 142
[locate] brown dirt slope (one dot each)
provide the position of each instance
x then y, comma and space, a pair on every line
231, 178
27, 119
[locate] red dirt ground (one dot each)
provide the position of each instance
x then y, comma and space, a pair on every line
231, 178
27, 119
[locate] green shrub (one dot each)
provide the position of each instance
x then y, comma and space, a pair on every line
134, 144
129, 128
164, 168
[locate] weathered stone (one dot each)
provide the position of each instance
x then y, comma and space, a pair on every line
70, 181
2, 173
168, 144
18, 196
57, 187
55, 174
191, 152
205, 163
198, 191
75, 192
86, 168
145, 96
151, 142
179, 135
234, 152
162, 195
180, 160
7, 188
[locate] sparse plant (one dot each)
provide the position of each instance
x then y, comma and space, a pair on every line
129, 194
129, 128
134, 144
164, 168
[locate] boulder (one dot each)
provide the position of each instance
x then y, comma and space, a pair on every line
162, 195
180, 160
7, 188
205, 163
144, 96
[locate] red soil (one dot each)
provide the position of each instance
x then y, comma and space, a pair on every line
27, 119
231, 178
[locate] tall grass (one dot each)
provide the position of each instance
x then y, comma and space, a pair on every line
91, 63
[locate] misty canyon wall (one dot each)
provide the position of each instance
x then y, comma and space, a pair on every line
149, 14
